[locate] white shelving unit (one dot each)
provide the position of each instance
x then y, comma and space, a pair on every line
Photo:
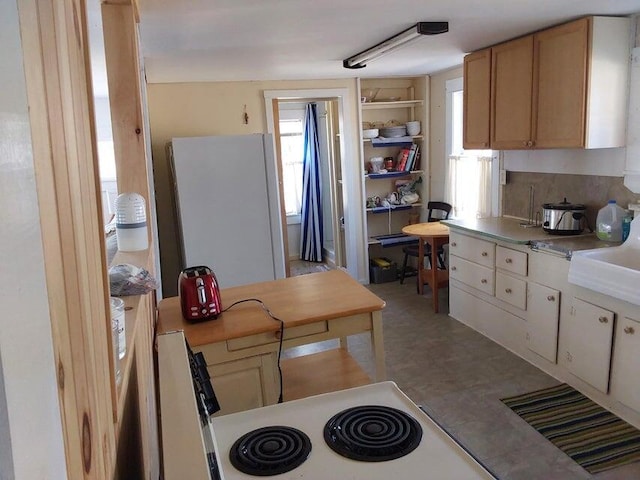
383, 221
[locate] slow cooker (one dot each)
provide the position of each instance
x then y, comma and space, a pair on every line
563, 218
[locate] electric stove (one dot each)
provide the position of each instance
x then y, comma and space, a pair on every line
371, 432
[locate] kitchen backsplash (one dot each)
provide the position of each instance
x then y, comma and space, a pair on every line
590, 190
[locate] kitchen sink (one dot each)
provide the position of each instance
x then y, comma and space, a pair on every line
614, 271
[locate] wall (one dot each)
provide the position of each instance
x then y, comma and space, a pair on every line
31, 438
437, 133
197, 109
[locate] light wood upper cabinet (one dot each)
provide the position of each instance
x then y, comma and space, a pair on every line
477, 99
564, 87
560, 75
511, 89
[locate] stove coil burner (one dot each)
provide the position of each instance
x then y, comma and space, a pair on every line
270, 451
372, 433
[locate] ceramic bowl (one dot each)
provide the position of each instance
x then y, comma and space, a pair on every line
370, 133
413, 128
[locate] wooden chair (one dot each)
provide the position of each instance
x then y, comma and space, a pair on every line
437, 211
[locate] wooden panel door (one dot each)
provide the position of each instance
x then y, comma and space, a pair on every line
511, 90
477, 99
560, 85
543, 309
588, 344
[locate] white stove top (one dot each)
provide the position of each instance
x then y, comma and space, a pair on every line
436, 457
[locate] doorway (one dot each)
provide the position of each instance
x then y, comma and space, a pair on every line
331, 121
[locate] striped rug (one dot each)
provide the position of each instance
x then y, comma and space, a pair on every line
593, 437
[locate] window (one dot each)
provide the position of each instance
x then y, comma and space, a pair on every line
471, 183
292, 147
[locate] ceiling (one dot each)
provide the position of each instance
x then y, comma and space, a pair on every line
231, 40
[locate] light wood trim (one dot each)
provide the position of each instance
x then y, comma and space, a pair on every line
55, 49
477, 99
322, 372
121, 54
283, 212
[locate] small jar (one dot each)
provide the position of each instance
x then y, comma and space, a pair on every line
389, 163
117, 317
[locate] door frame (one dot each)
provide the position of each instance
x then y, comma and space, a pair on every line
351, 170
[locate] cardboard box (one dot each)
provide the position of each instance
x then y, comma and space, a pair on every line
382, 270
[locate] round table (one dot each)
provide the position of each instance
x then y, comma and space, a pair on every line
435, 234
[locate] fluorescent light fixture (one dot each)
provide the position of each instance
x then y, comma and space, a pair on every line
390, 44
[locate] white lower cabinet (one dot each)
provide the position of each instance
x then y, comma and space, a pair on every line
543, 312
587, 349
626, 363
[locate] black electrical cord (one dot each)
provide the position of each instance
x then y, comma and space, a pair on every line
266, 309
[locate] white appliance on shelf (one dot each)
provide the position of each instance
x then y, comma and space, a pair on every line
188, 442
228, 207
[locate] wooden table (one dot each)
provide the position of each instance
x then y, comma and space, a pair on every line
435, 235
240, 347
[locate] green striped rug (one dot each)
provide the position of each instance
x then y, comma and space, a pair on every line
592, 436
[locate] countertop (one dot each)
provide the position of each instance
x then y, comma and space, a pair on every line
295, 300
508, 229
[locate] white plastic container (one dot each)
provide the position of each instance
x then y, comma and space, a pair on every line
131, 223
609, 222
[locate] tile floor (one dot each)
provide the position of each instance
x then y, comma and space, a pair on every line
459, 376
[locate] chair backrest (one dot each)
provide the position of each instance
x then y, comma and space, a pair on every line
438, 211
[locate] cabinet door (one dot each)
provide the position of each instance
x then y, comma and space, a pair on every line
511, 88
560, 83
626, 364
477, 99
543, 309
245, 384
588, 346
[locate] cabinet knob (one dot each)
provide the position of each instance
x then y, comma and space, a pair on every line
484, 254
453, 268
603, 319
454, 244
529, 143
508, 260
551, 298
507, 290
484, 280
525, 144
629, 330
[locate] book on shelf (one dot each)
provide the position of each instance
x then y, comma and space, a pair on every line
401, 159
411, 157
415, 163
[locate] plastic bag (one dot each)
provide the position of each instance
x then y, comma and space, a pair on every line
126, 279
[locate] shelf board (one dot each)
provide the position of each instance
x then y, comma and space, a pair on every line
392, 144
378, 176
397, 104
394, 208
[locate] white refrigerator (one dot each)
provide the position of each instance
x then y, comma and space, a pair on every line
228, 207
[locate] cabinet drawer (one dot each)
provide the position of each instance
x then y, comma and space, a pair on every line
511, 290
472, 274
511, 260
472, 249
272, 337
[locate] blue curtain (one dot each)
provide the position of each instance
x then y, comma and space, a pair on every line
311, 223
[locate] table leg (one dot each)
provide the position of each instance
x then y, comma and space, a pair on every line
420, 266
434, 273
378, 346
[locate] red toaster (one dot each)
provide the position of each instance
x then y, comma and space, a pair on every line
199, 294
